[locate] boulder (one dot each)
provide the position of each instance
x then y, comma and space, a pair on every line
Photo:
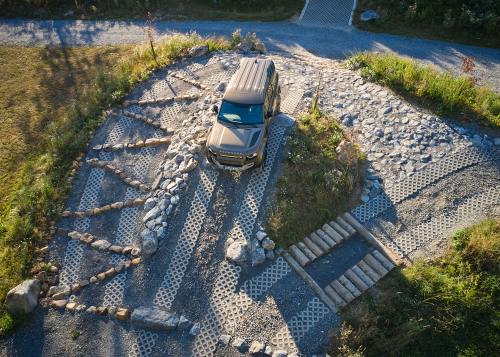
101, 244
368, 15
244, 46
154, 319
268, 244
198, 50
280, 353
149, 243
258, 256
149, 204
24, 296
224, 339
261, 235
256, 347
240, 344
236, 253
152, 214
261, 48
183, 323
195, 329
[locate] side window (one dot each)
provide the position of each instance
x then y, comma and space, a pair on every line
269, 91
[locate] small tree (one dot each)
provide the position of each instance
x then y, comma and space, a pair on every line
149, 31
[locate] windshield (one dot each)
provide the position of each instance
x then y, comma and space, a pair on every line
241, 113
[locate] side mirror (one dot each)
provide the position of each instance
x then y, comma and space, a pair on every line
215, 108
269, 113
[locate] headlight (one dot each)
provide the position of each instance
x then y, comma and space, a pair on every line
253, 156
211, 151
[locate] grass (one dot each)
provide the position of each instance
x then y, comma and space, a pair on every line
446, 307
11, 322
51, 99
443, 92
165, 10
392, 20
315, 186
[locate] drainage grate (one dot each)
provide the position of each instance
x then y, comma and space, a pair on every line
187, 239
143, 345
297, 327
291, 101
244, 223
328, 13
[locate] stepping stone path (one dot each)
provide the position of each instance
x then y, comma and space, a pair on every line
190, 214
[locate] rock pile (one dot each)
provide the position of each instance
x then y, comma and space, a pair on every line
261, 247
187, 80
139, 144
98, 211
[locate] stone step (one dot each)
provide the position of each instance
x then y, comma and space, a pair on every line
375, 265
349, 286
332, 294
383, 260
306, 251
325, 238
319, 242
356, 280
362, 275
372, 274
332, 233
299, 256
346, 226
342, 291
339, 229
313, 247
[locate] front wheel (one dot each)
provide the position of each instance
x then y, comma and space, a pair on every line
263, 163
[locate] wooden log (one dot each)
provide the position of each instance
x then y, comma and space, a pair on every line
362, 275
332, 233
332, 294
372, 274
349, 286
383, 260
319, 242
342, 291
302, 273
310, 255
325, 238
375, 265
347, 227
389, 254
301, 258
313, 247
339, 229
356, 280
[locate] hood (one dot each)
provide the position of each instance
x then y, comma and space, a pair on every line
243, 140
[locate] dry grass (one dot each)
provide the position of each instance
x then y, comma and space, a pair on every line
36, 86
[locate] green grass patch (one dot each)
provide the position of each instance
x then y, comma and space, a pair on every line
443, 92
165, 10
447, 307
11, 322
42, 175
470, 22
315, 186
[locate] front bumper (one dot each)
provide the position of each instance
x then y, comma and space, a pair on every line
230, 167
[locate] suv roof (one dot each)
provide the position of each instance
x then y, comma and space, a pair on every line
248, 84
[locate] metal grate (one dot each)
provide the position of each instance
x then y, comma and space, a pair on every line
290, 103
296, 328
143, 345
187, 239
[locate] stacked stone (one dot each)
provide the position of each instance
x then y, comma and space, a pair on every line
109, 167
97, 211
261, 247
139, 144
187, 80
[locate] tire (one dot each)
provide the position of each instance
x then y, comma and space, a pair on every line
263, 163
277, 102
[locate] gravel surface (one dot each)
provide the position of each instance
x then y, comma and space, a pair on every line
283, 36
268, 302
